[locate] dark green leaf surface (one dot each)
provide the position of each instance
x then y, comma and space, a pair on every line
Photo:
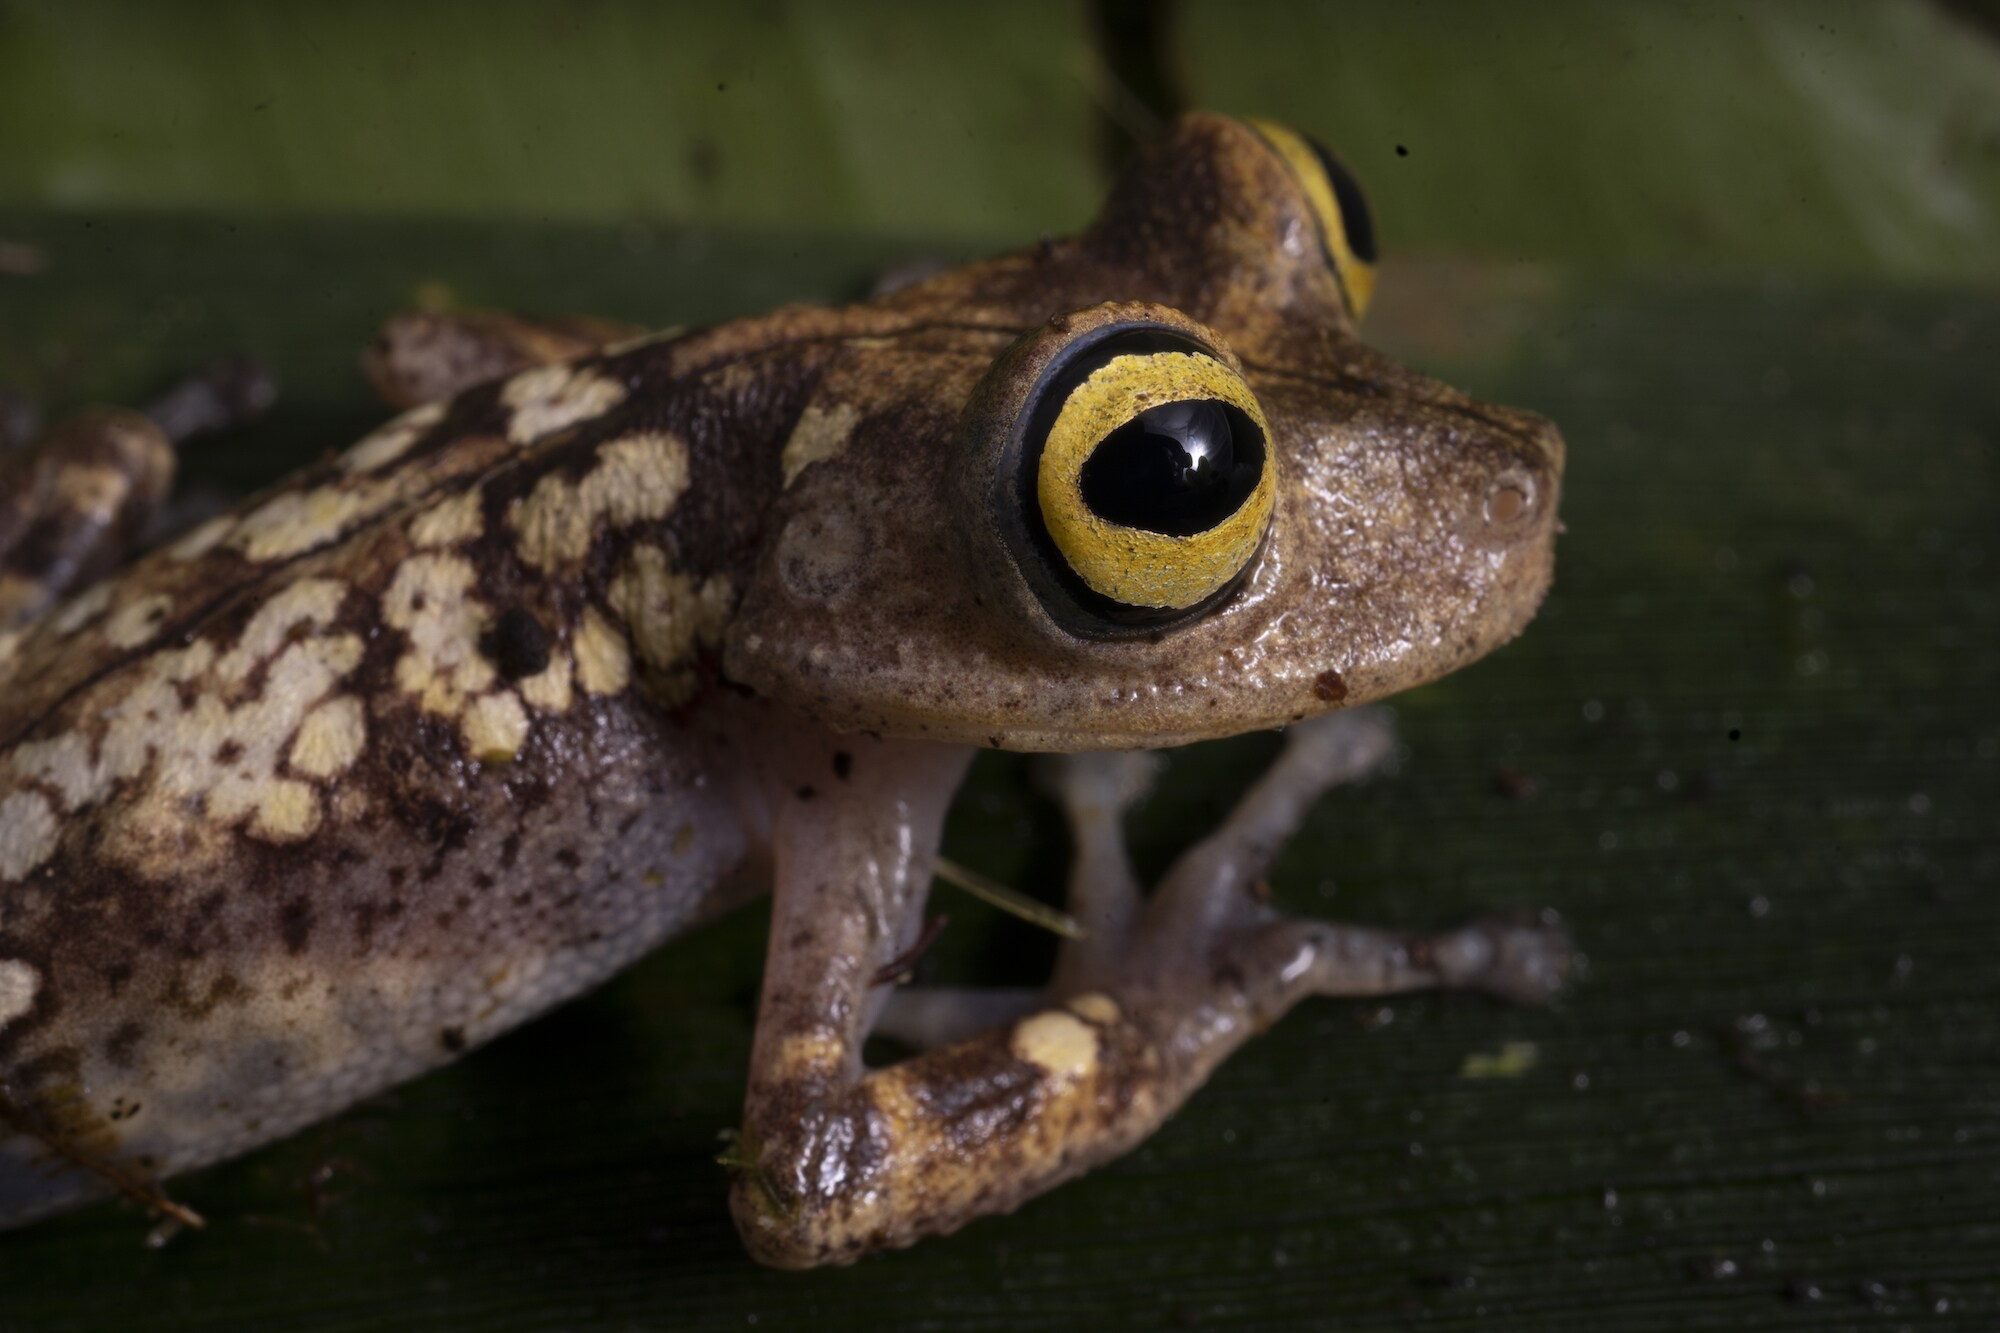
1832, 137
1751, 750
1856, 136
853, 115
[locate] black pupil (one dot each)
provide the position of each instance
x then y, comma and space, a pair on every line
1179, 468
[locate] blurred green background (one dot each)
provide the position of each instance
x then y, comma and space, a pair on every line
1832, 137
1748, 257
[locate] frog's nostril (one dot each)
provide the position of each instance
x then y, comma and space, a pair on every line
1510, 500
1505, 505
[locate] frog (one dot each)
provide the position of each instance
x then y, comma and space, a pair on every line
609, 632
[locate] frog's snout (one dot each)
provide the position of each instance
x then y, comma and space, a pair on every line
1518, 503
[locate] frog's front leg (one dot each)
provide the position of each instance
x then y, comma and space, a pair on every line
839, 1160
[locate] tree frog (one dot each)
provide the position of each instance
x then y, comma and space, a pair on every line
607, 633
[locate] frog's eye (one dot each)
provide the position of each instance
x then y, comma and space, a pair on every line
1146, 477
1347, 231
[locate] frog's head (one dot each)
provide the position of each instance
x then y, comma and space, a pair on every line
1188, 502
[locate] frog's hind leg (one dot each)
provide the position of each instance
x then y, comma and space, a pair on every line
837, 1159
421, 356
76, 503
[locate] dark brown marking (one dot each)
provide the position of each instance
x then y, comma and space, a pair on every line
225, 989
295, 923
517, 643
452, 1039
123, 1043
1328, 687
843, 764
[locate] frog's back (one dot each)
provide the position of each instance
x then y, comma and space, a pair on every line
369, 770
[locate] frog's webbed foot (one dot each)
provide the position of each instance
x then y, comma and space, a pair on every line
421, 356
1015, 1093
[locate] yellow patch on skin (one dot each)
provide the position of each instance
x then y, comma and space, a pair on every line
63, 763
80, 610
298, 521
637, 479
204, 750
10, 646
201, 540
285, 811
391, 440
495, 727
810, 1054
669, 618
136, 623
1058, 1042
309, 601
548, 398
821, 433
28, 833
549, 689
450, 522
19, 983
331, 738
603, 660
1095, 1007
429, 601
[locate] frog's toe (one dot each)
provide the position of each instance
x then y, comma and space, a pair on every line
1524, 959
1218, 878
1343, 747
1109, 780
926, 1017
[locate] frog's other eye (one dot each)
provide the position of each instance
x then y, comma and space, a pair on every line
1346, 230
1146, 480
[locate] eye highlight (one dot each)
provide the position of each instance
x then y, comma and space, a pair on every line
1148, 476
1346, 228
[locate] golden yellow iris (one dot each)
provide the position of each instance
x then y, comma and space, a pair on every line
1132, 565
1357, 275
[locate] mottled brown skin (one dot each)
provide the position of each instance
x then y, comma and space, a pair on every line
425, 355
558, 664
